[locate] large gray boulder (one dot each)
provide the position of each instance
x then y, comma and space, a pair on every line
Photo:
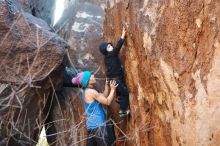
32, 64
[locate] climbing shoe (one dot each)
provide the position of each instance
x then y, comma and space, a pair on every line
118, 101
123, 113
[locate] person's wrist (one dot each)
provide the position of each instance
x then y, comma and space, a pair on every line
112, 89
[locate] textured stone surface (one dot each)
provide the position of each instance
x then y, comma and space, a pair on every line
171, 61
43, 9
31, 69
81, 27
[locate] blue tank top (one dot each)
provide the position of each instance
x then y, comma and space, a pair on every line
95, 116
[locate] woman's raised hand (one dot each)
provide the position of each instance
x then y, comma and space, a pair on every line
113, 84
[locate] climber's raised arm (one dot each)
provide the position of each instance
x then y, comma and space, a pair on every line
101, 98
120, 42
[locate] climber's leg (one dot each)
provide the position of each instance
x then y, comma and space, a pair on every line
123, 101
91, 141
102, 136
105, 135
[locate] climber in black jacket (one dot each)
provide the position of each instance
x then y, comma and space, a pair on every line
115, 71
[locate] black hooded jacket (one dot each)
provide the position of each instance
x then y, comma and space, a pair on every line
112, 62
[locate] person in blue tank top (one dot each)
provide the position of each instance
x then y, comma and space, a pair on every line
100, 131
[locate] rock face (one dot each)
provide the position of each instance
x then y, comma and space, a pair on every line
171, 60
32, 64
39, 8
81, 27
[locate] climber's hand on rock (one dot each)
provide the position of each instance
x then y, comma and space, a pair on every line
123, 33
124, 30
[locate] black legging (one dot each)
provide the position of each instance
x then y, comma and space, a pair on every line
102, 136
122, 91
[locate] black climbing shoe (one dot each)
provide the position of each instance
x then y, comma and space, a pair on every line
118, 101
123, 113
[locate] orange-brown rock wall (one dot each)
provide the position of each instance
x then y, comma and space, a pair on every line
171, 68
